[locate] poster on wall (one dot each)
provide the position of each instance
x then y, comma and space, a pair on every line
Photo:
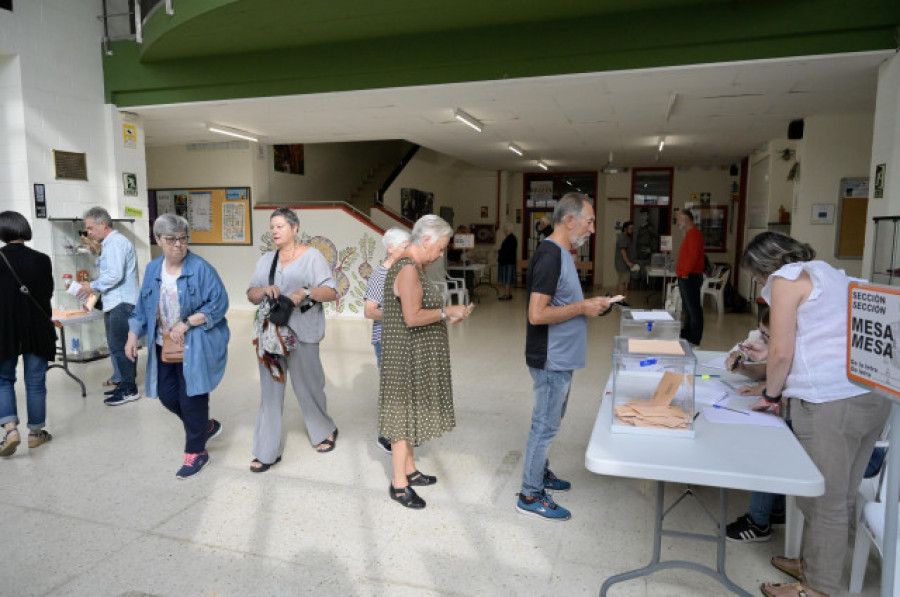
129, 136
415, 203
129, 182
217, 216
288, 158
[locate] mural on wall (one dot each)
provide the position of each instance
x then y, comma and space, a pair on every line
350, 282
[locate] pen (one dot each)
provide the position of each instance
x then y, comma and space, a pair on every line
706, 375
734, 410
697, 414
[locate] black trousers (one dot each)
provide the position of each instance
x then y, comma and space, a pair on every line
692, 306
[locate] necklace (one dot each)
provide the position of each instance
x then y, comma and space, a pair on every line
291, 258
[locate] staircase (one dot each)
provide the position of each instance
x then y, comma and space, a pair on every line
363, 197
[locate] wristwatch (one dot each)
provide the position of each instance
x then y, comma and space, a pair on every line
306, 290
443, 314
187, 322
770, 399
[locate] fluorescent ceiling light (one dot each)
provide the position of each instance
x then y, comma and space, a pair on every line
516, 149
670, 105
232, 132
468, 119
543, 165
662, 143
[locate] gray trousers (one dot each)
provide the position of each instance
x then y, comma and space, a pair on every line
304, 370
839, 437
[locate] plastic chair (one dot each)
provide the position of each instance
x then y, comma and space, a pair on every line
450, 287
714, 286
870, 530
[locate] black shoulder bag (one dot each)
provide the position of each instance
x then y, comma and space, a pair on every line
24, 289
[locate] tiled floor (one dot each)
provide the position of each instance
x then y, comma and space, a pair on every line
98, 511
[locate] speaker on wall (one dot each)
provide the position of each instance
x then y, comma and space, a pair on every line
795, 129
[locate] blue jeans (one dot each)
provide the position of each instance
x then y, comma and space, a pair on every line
762, 505
192, 410
377, 347
116, 320
551, 395
35, 390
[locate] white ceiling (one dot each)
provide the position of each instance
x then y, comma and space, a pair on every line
721, 113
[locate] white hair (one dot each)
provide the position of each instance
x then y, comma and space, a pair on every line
432, 226
393, 238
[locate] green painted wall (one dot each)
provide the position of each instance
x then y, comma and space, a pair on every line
223, 49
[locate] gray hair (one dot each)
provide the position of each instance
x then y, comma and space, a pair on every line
169, 224
98, 215
394, 237
289, 216
571, 204
769, 251
431, 226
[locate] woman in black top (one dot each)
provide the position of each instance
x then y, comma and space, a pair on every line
25, 329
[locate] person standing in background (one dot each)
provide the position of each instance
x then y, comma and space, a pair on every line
625, 260
117, 283
689, 269
506, 262
395, 241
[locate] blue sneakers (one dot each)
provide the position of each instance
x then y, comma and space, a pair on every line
554, 483
193, 464
542, 506
214, 429
121, 395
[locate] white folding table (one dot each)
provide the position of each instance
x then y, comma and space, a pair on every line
723, 456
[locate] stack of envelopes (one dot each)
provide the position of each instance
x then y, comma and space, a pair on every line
659, 410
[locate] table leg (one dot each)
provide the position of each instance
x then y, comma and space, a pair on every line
655, 563
65, 360
793, 528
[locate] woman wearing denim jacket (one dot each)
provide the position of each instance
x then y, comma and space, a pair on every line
182, 295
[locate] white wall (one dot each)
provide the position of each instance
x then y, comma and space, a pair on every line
833, 147
885, 150
51, 86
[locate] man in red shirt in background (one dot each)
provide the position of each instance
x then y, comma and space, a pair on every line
689, 269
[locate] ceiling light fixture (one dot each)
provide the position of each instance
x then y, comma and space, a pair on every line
516, 149
609, 168
543, 165
662, 143
231, 132
468, 119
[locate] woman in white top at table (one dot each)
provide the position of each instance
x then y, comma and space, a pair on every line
836, 422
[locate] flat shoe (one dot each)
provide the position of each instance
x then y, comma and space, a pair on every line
329, 443
9, 445
36, 439
263, 467
407, 497
790, 566
794, 589
109, 383
419, 479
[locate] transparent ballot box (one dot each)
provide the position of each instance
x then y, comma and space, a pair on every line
653, 387
658, 323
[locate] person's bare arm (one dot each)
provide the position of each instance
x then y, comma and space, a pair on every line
409, 289
787, 296
540, 312
371, 310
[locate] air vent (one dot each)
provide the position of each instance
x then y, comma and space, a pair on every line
70, 165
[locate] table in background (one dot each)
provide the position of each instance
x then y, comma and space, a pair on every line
665, 274
61, 323
723, 456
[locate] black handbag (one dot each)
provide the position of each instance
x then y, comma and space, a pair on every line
280, 308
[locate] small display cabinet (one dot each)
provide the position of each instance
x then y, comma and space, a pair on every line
74, 262
886, 256
653, 387
657, 324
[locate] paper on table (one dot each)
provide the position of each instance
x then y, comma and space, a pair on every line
641, 346
760, 419
716, 363
652, 316
74, 289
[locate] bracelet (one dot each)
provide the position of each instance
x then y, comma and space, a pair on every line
443, 314
770, 399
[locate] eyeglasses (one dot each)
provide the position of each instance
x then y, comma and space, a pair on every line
174, 240
82, 233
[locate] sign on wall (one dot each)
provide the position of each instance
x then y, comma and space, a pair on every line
873, 355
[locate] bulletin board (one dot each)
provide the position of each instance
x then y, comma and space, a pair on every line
217, 215
853, 204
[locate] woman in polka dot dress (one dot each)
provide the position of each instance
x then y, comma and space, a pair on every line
416, 398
